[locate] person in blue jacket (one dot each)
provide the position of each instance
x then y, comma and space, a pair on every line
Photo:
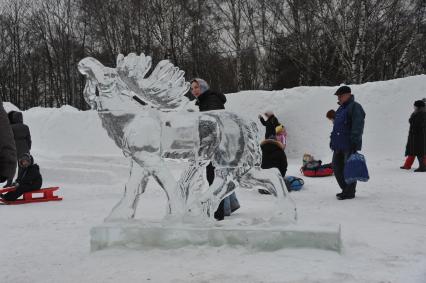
346, 137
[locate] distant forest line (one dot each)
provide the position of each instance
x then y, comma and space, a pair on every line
233, 44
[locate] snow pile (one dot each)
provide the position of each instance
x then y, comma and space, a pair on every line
67, 131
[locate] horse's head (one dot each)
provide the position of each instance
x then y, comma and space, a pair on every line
110, 87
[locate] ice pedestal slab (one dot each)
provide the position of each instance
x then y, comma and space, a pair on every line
136, 234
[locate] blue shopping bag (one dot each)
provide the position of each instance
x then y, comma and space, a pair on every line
356, 169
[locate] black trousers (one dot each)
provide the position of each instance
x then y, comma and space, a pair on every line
20, 190
339, 160
422, 161
219, 213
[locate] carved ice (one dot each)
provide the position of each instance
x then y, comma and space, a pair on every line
145, 117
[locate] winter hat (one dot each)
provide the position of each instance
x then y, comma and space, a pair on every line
204, 86
343, 90
26, 156
279, 129
419, 103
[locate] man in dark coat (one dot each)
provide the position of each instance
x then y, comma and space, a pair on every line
210, 100
29, 179
270, 124
21, 134
346, 137
416, 144
7, 147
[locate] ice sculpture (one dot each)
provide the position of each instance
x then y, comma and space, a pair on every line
145, 117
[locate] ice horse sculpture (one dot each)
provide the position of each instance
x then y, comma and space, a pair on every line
145, 117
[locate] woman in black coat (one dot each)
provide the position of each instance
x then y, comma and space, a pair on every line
208, 100
21, 134
416, 144
273, 156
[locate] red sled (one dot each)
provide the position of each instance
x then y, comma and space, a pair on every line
318, 172
33, 196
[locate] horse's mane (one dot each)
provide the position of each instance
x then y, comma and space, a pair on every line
164, 88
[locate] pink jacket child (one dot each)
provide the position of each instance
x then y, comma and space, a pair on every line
281, 134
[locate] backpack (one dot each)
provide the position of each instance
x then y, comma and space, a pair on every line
293, 183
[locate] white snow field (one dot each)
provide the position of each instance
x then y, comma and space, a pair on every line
383, 228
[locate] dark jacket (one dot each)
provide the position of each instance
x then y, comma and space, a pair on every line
270, 125
29, 178
21, 133
416, 144
7, 147
348, 127
211, 100
273, 156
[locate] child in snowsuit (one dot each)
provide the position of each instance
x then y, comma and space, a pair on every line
29, 178
281, 135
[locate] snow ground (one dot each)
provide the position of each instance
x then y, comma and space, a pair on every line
383, 229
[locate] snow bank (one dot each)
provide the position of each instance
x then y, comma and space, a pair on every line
388, 105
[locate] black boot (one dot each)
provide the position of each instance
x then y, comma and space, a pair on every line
219, 215
345, 196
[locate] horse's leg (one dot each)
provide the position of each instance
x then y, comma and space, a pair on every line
135, 186
272, 181
159, 171
192, 180
190, 186
224, 184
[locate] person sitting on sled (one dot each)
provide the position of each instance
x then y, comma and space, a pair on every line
29, 178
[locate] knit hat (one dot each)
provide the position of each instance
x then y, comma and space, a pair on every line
279, 129
204, 86
419, 103
343, 90
26, 156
